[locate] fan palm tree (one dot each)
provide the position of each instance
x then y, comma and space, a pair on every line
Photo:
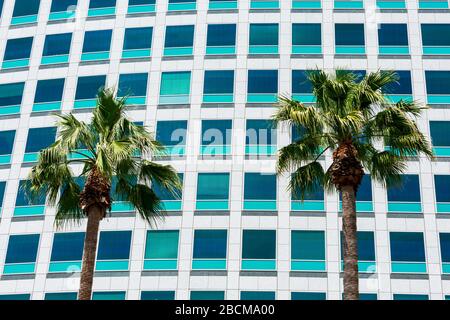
350, 118
107, 148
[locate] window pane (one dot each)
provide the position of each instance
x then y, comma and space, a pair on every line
138, 38
263, 34
2, 191
162, 244
439, 133
118, 295
392, 34
22, 248
173, 83
365, 189
259, 244
158, 295
308, 245
444, 239
7, 141
213, 186
171, 133
97, 41
349, 34
101, 4
140, 2
210, 244
408, 191
216, 132
49, 90
403, 86
61, 296
11, 297
26, 7
221, 35
56, 44
262, 81
219, 82
306, 34
207, 295
134, 85
435, 34
366, 245
300, 82
442, 185
40, 138
22, 198
407, 246
259, 186
308, 296
410, 297
68, 246
438, 82
261, 132
317, 194
164, 194
257, 295
114, 245
11, 94
18, 48
62, 5
88, 87
179, 36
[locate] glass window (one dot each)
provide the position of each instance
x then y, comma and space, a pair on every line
61, 296
308, 245
438, 82
442, 185
306, 34
221, 35
175, 83
26, 8
57, 44
162, 244
216, 132
308, 296
140, 2
109, 295
261, 132
408, 191
164, 194
262, 81
2, 192
171, 133
260, 186
179, 36
300, 82
62, 5
18, 48
365, 189
138, 38
257, 295
317, 194
213, 186
49, 90
410, 296
7, 141
18, 296
11, 94
402, 86
439, 133
114, 245
22, 248
407, 247
366, 245
134, 85
218, 82
67, 246
88, 87
94, 4
40, 138
210, 244
264, 34
349, 34
392, 34
158, 295
444, 239
207, 295
97, 41
259, 244
436, 34
23, 199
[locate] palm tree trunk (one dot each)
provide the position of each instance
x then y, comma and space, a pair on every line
95, 215
350, 245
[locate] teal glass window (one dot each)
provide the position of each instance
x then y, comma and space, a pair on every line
109, 295
113, 250
405, 197
6, 145
308, 250
25, 11
67, 251
11, 97
393, 38
56, 48
433, 39
402, 89
134, 87
259, 250
2, 192
302, 89
48, 95
442, 192
182, 5
207, 295
175, 87
12, 297
87, 89
260, 191
438, 87
349, 38
398, 296
444, 240
137, 42
262, 86
257, 295
17, 53
169, 201
213, 191
179, 40
216, 137
61, 296
307, 38
62, 5
22, 198
263, 38
158, 295
40, 138
161, 250
407, 252
260, 138
210, 244
172, 135
21, 254
95, 4
221, 39
308, 296
440, 138
96, 45
141, 6
218, 86
366, 251
222, 4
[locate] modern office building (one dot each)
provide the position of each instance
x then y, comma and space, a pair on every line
204, 76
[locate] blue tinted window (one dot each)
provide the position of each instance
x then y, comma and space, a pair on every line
216, 132
308, 296
366, 245
62, 5
1, 7
438, 82
11, 94
308, 245
402, 86
392, 34
260, 186
22, 248
435, 34
18, 296
179, 36
2, 191
140, 2
300, 82
221, 35
408, 191
114, 245
364, 192
40, 138
444, 239
263, 34
101, 4
368, 296
49, 90
207, 295
407, 246
158, 295
18, 48
410, 297
109, 295
7, 141
257, 295
164, 194
171, 133
317, 194
26, 7
67, 246
134, 85
218, 82
213, 186
442, 185
306, 34
61, 296
56, 44
439, 133
260, 132
262, 81
349, 34
88, 87
138, 38
97, 41
210, 244
23, 199
259, 244
358, 74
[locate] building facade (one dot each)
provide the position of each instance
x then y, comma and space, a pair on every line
204, 76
